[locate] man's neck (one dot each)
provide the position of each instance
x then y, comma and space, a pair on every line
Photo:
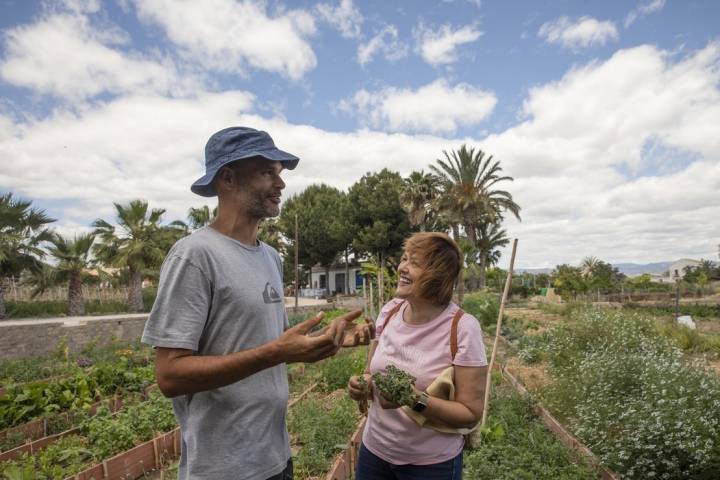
237, 225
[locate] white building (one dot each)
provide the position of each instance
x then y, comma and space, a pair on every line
678, 267
337, 280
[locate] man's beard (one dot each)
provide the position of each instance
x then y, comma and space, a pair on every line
259, 209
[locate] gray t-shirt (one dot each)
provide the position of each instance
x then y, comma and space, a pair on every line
217, 296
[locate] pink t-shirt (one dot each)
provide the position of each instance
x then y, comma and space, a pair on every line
423, 351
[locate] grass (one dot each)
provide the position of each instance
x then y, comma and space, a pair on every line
321, 427
516, 446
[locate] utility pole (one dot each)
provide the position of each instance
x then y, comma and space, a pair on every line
297, 267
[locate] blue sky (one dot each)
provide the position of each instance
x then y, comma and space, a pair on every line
607, 114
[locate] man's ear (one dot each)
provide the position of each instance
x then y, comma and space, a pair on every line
224, 178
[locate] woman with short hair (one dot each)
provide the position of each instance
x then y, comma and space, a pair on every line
422, 332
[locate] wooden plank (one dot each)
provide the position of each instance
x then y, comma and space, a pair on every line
133, 463
15, 452
165, 447
93, 473
338, 471
33, 429
303, 394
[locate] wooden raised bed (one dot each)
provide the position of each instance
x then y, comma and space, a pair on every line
136, 462
344, 465
141, 459
37, 429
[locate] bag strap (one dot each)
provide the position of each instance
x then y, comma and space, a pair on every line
453, 332
391, 314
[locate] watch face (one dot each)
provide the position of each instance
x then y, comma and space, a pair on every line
420, 403
419, 407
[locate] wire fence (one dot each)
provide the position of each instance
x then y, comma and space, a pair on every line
17, 292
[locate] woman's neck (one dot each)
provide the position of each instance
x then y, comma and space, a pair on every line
420, 311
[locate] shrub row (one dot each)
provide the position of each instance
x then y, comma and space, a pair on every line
624, 388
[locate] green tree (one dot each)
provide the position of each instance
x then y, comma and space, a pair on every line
377, 216
321, 228
601, 276
469, 197
22, 231
270, 233
138, 243
73, 261
569, 281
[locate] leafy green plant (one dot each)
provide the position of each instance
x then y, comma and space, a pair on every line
110, 434
396, 385
484, 306
61, 459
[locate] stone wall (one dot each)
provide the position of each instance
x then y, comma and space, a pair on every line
32, 340
43, 337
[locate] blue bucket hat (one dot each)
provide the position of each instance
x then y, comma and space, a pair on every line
233, 144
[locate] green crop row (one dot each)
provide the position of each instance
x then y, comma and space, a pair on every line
100, 437
22, 403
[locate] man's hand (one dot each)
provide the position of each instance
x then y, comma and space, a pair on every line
358, 334
295, 345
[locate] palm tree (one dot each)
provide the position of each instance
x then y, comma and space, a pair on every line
417, 192
21, 233
201, 217
468, 197
490, 237
73, 257
588, 266
139, 243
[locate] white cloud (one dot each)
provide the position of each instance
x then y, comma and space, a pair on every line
579, 152
137, 146
345, 17
82, 6
384, 42
65, 55
581, 33
436, 107
586, 130
232, 36
643, 9
439, 47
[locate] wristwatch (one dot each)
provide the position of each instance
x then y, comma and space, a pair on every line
421, 402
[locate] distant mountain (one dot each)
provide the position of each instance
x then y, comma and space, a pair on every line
629, 269
633, 269
534, 271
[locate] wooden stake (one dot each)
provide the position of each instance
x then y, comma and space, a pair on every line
488, 383
297, 267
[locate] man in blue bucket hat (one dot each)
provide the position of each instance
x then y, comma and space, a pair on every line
219, 324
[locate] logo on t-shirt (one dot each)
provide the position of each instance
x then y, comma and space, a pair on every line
270, 295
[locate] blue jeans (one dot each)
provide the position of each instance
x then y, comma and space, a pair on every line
372, 467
